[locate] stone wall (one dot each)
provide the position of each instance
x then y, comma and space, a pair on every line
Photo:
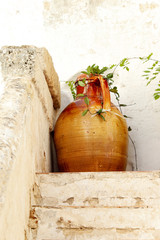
28, 107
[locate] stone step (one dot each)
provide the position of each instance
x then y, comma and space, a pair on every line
104, 205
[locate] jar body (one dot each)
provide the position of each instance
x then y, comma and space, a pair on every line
88, 143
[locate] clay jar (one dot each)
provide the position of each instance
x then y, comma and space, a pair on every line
88, 143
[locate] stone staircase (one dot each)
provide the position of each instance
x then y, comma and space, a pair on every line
59, 206
97, 206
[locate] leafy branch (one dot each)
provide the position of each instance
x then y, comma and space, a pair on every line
71, 85
94, 70
150, 73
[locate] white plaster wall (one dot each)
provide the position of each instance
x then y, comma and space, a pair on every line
80, 33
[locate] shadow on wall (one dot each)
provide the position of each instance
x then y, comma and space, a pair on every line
54, 163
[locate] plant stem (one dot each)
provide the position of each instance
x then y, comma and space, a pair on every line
134, 146
136, 58
134, 168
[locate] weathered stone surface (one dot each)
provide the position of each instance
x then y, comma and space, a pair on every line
105, 234
110, 205
34, 63
121, 189
50, 75
26, 118
54, 223
100, 218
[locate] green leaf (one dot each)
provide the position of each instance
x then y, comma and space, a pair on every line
86, 100
103, 70
100, 111
84, 112
81, 83
156, 73
114, 90
158, 69
156, 93
122, 62
71, 85
129, 129
102, 117
127, 68
110, 81
112, 66
156, 96
110, 75
126, 116
149, 56
89, 69
158, 90
80, 95
148, 82
154, 64
84, 72
147, 71
94, 69
153, 78
122, 105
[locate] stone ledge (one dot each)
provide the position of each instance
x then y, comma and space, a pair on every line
121, 189
100, 205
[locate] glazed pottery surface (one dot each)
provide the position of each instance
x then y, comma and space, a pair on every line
88, 143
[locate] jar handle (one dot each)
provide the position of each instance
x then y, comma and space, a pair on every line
105, 93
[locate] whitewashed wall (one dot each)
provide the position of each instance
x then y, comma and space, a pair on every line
79, 33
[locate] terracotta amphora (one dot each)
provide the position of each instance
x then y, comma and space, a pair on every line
97, 141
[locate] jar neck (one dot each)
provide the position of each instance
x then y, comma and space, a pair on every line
95, 87
92, 88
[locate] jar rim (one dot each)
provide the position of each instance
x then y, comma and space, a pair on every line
88, 79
